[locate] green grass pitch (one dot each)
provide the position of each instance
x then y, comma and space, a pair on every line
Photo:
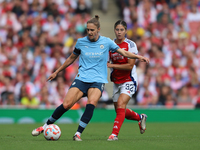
158, 136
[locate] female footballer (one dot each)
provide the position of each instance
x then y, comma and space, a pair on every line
124, 76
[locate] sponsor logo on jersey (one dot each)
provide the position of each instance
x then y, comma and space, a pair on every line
94, 54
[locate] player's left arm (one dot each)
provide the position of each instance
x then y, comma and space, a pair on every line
131, 55
127, 66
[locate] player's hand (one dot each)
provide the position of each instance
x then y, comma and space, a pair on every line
144, 59
109, 65
52, 76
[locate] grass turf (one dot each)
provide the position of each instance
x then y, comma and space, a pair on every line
159, 136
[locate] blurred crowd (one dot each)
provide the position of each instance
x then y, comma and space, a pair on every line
36, 37
168, 32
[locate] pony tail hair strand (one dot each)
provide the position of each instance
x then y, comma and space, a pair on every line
97, 17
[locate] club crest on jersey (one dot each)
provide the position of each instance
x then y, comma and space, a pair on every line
101, 46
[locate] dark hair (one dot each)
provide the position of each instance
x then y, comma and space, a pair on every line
95, 21
123, 23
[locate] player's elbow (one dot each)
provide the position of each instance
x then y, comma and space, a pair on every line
129, 67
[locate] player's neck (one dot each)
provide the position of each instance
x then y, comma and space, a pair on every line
97, 38
94, 40
119, 41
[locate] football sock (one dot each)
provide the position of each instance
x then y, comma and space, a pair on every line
113, 134
86, 117
78, 133
59, 111
118, 121
44, 126
131, 115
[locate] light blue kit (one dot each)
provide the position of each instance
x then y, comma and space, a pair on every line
93, 58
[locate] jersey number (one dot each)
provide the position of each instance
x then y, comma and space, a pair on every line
129, 87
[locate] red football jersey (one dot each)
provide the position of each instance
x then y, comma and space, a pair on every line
121, 76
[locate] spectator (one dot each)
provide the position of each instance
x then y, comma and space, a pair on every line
51, 27
146, 13
17, 8
177, 82
146, 96
183, 97
27, 99
9, 20
83, 6
170, 101
193, 18
130, 13
7, 95
51, 9
164, 92
7, 98
45, 97
196, 100
67, 6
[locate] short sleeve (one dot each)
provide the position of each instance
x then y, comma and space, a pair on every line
113, 47
132, 47
77, 50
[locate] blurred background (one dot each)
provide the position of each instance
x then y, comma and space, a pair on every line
36, 37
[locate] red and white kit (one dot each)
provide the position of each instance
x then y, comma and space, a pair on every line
125, 81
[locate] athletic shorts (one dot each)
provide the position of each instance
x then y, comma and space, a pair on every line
84, 86
128, 88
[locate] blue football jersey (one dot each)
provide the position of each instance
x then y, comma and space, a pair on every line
93, 57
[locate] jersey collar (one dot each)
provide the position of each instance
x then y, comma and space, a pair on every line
94, 41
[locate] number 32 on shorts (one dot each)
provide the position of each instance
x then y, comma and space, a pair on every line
130, 87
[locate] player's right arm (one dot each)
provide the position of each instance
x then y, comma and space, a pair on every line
68, 62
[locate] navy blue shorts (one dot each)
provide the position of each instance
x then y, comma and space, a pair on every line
84, 86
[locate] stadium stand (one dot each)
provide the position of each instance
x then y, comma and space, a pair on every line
36, 36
